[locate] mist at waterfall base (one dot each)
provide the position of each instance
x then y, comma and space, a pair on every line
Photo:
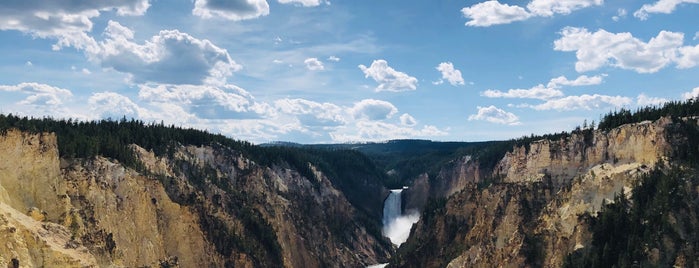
396, 225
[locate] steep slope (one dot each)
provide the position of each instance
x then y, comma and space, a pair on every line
532, 215
191, 205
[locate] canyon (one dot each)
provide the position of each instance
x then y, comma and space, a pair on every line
535, 202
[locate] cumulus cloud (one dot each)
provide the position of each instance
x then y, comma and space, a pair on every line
306, 3
114, 105
39, 94
407, 120
622, 50
388, 78
620, 14
380, 131
334, 58
550, 91
170, 57
373, 109
67, 21
366, 120
312, 113
495, 115
492, 12
645, 100
208, 101
547, 8
582, 102
537, 92
314, 64
231, 9
662, 6
582, 80
236, 10
688, 57
450, 74
692, 94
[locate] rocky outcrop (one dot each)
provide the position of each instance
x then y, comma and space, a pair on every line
561, 160
452, 178
531, 215
205, 206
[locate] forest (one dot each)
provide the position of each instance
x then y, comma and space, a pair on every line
654, 229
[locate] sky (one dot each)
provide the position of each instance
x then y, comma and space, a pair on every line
328, 71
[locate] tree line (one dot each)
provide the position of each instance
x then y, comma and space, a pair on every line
674, 109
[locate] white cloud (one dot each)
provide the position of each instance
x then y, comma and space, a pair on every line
688, 57
547, 8
538, 92
450, 74
620, 14
312, 113
407, 120
67, 21
314, 64
232, 9
692, 94
306, 3
550, 91
696, 36
388, 78
495, 115
39, 94
622, 50
208, 101
582, 80
171, 57
334, 58
381, 131
492, 13
232, 111
366, 120
372, 109
29, 63
662, 6
582, 102
644, 100
115, 106
85, 71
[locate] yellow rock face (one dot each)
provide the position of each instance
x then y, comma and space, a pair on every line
96, 212
41, 226
563, 159
30, 176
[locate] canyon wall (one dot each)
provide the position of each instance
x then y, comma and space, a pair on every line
530, 215
194, 207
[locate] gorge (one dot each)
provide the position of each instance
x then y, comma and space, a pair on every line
125, 193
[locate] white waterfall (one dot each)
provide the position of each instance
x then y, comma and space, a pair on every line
396, 226
392, 207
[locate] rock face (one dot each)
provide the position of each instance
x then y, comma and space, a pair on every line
561, 160
195, 207
530, 215
452, 178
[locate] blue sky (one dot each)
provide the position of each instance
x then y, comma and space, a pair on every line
316, 71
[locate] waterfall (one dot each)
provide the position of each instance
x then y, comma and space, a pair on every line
392, 207
396, 225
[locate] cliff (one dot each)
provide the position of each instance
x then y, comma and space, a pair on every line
543, 199
195, 206
561, 160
